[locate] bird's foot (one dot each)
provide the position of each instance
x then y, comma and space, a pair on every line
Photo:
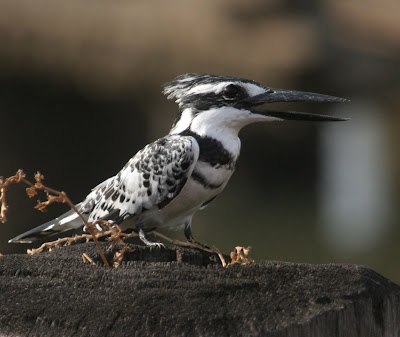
145, 239
158, 245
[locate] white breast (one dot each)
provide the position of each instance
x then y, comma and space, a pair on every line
190, 199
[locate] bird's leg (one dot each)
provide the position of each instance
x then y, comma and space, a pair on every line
145, 239
190, 237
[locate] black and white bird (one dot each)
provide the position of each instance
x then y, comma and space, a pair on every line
166, 182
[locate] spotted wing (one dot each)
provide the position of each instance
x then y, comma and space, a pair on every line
153, 177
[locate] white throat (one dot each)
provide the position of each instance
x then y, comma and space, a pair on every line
222, 124
217, 121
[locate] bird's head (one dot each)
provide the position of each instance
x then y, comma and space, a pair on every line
221, 101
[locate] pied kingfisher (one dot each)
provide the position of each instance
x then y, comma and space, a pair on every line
166, 182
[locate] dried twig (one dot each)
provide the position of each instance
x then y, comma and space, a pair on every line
120, 254
4, 185
117, 241
214, 250
52, 196
67, 241
87, 258
241, 256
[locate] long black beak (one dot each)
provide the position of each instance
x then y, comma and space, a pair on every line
280, 95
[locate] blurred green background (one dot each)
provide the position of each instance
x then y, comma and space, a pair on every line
80, 93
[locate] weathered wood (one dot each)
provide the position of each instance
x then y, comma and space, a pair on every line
184, 292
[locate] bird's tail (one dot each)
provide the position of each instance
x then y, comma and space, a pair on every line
67, 221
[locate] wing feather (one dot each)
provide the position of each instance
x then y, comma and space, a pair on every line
152, 178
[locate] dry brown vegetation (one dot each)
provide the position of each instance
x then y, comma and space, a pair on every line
111, 232
52, 196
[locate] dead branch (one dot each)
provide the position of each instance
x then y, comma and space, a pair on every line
67, 241
4, 185
52, 196
214, 250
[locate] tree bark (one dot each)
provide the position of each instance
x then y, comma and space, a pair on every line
185, 292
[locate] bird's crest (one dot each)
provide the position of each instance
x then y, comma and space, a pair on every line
192, 84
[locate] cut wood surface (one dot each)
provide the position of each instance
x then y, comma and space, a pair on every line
185, 292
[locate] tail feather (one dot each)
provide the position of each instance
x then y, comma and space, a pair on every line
67, 221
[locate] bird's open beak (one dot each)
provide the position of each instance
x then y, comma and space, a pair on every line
280, 95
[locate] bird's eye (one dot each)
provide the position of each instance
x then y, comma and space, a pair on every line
231, 91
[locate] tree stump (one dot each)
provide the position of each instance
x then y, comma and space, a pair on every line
185, 292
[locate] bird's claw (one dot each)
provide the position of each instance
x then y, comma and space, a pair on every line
158, 245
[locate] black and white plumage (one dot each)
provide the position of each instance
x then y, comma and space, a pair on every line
166, 182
